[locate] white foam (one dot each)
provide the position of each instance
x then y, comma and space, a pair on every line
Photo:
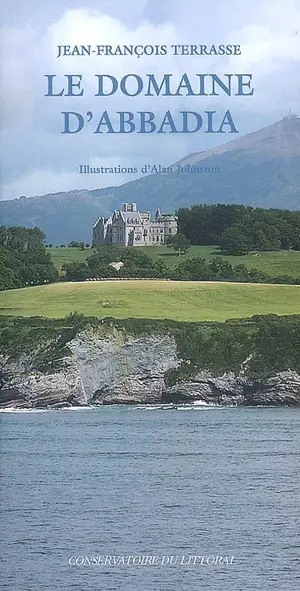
23, 410
196, 405
38, 410
66, 408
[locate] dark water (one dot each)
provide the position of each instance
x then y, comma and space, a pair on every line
137, 482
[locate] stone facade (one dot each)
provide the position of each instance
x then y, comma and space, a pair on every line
129, 227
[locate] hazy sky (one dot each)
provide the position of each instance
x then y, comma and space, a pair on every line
37, 159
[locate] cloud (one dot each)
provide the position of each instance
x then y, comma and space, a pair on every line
16, 88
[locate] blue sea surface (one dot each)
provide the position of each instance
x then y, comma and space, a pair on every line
135, 482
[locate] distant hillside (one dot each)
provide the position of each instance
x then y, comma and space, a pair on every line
62, 216
281, 139
259, 169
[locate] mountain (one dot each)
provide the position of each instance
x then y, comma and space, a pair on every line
62, 216
261, 169
281, 139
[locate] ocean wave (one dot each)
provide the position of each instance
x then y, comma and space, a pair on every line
196, 405
38, 410
23, 410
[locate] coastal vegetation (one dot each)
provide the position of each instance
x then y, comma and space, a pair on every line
259, 346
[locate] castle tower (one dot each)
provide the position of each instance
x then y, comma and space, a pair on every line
131, 207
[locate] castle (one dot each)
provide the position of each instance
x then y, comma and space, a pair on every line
129, 227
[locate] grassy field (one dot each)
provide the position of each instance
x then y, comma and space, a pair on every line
283, 262
60, 256
273, 263
186, 301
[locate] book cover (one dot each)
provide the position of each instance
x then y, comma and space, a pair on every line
150, 295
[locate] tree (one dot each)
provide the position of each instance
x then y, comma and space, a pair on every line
196, 269
133, 258
179, 242
160, 269
75, 244
222, 270
24, 259
204, 224
265, 237
269, 229
236, 240
77, 271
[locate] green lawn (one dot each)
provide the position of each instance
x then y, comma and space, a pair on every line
284, 262
60, 255
186, 301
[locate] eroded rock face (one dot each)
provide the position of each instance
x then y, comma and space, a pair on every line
126, 368
99, 371
37, 390
119, 369
282, 389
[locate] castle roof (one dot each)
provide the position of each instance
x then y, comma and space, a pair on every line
101, 219
97, 222
130, 217
135, 218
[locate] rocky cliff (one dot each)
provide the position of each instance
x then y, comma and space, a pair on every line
117, 363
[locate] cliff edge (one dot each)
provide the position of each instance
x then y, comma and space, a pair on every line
84, 362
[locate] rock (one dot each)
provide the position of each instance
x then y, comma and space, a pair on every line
122, 369
133, 390
283, 388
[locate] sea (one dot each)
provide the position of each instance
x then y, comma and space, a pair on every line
137, 498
